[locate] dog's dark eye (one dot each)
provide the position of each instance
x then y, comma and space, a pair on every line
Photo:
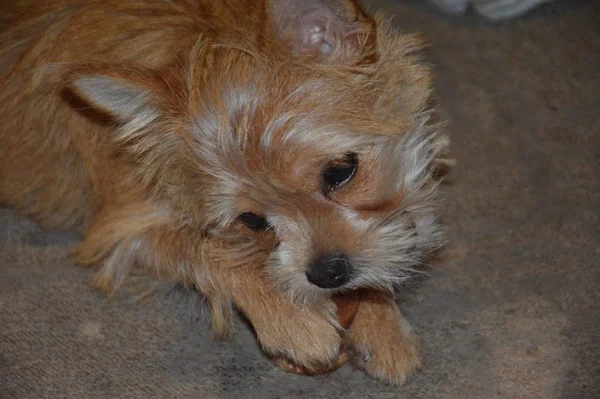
339, 172
254, 221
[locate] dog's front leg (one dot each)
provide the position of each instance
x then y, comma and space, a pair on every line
142, 235
382, 341
310, 338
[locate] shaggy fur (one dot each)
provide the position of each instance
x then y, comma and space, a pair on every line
150, 126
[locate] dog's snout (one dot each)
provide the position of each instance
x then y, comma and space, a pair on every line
331, 271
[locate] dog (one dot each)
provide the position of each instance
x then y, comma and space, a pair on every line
271, 154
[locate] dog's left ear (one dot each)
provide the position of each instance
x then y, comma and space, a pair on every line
122, 93
335, 31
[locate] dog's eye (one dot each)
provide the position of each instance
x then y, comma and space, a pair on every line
254, 221
339, 172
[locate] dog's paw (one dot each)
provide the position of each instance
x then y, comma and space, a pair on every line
381, 341
391, 356
309, 341
291, 367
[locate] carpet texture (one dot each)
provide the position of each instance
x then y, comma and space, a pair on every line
511, 311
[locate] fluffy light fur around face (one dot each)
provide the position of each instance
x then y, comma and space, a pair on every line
152, 125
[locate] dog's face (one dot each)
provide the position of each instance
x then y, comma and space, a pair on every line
315, 182
317, 166
347, 209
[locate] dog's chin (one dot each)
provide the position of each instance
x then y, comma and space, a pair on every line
304, 293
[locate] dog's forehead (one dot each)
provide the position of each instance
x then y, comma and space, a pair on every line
266, 139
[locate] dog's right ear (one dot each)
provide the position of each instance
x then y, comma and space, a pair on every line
335, 31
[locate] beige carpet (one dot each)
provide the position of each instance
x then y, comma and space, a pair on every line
513, 312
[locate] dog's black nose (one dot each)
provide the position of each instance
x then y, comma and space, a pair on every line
331, 271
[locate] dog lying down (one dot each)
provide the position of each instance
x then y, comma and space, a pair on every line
276, 155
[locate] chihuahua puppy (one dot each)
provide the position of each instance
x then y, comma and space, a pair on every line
270, 153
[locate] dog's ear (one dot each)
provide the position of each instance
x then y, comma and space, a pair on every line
335, 31
125, 95
141, 103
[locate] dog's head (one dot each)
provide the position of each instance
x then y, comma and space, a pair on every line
303, 142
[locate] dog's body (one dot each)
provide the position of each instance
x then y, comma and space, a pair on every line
269, 153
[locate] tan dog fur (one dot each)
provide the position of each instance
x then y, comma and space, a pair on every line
149, 126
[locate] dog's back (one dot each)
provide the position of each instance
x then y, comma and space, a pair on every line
56, 160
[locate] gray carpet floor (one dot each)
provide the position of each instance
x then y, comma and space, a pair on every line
511, 310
